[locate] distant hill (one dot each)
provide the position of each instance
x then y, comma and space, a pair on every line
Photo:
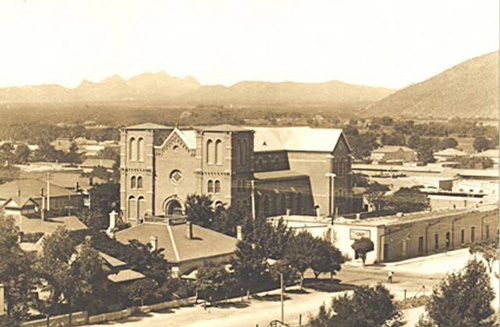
162, 88
467, 90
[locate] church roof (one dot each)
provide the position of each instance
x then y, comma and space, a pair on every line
302, 138
176, 246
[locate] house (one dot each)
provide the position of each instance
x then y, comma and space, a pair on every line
28, 196
186, 246
89, 164
491, 154
393, 154
62, 144
449, 154
267, 170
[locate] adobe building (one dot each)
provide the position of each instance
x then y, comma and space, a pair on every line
394, 154
269, 170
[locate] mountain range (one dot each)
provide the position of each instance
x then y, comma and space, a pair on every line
467, 90
161, 87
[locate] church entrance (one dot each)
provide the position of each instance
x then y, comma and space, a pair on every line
173, 207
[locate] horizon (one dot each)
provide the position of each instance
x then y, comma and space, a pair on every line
385, 45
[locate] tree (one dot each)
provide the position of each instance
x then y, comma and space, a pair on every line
405, 200
463, 299
22, 153
213, 282
481, 143
100, 172
326, 258
249, 265
16, 271
448, 142
299, 253
366, 307
488, 249
361, 247
143, 290
199, 209
55, 269
72, 156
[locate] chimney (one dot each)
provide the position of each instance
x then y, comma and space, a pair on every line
154, 243
239, 233
77, 187
112, 224
358, 216
288, 212
189, 230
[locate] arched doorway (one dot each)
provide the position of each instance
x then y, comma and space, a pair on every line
173, 207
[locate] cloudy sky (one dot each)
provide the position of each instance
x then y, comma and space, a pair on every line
389, 43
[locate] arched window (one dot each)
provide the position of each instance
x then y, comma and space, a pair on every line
132, 208
141, 205
139, 182
132, 149
140, 149
210, 186
218, 152
217, 186
133, 182
210, 145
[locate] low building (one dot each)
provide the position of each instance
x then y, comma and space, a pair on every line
89, 164
186, 246
400, 237
28, 196
491, 154
394, 154
449, 154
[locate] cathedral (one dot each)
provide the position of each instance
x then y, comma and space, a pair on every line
268, 170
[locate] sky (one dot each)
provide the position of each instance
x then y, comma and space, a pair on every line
382, 43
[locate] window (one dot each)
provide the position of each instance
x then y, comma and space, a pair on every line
472, 234
265, 205
277, 162
139, 182
210, 151
217, 186
176, 177
218, 152
448, 240
244, 151
436, 241
283, 203
421, 244
462, 236
210, 186
140, 149
240, 152
299, 202
132, 150
133, 182
486, 232
132, 207
141, 205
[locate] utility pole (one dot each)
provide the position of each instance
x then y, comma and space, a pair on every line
48, 191
282, 299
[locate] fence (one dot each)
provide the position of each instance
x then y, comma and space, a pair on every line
82, 318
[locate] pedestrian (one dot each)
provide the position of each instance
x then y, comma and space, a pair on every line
389, 277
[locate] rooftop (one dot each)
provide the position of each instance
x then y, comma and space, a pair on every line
278, 174
451, 152
20, 190
37, 225
148, 126
177, 247
106, 163
392, 148
125, 275
492, 153
302, 138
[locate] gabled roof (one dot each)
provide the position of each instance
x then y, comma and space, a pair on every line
224, 128
148, 126
177, 247
126, 275
451, 152
392, 148
278, 174
187, 136
302, 138
20, 190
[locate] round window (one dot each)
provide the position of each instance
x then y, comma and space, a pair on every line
176, 176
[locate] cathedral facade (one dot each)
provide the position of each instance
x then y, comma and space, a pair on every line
268, 170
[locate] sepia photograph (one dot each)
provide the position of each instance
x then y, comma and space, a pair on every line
249, 163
